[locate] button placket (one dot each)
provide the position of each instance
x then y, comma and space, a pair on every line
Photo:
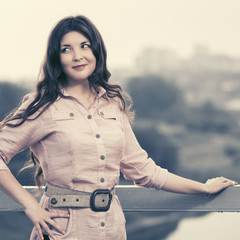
101, 162
102, 224
100, 149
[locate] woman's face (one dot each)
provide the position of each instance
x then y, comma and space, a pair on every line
76, 57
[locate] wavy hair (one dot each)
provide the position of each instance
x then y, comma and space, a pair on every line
52, 77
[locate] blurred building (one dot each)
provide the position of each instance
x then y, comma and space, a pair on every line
203, 77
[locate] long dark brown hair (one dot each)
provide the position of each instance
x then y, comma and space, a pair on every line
52, 77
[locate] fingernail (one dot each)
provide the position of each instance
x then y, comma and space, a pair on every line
63, 232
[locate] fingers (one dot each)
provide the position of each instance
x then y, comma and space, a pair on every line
47, 229
39, 231
46, 221
218, 184
42, 220
59, 215
227, 181
56, 226
222, 180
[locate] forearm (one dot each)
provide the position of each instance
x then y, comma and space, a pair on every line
14, 189
179, 184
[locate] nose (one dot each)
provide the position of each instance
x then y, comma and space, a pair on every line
77, 55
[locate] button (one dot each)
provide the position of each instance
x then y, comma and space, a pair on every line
54, 201
98, 135
102, 157
89, 116
102, 180
102, 113
71, 114
102, 224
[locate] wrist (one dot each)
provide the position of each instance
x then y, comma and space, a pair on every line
207, 190
29, 202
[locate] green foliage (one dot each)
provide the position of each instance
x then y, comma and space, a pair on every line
158, 99
10, 97
207, 118
233, 152
155, 98
158, 147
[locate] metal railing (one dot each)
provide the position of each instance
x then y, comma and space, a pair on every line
137, 199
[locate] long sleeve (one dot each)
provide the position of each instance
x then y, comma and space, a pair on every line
136, 165
14, 140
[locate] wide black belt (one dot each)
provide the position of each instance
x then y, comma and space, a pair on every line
99, 200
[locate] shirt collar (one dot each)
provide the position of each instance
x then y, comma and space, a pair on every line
100, 91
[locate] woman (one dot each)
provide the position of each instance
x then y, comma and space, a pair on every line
76, 124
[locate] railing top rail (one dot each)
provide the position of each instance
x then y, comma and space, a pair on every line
137, 199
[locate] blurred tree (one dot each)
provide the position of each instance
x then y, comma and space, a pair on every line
208, 118
10, 97
164, 153
157, 99
233, 152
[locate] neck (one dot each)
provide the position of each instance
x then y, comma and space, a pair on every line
81, 89
83, 93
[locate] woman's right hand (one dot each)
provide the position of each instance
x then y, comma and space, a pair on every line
42, 219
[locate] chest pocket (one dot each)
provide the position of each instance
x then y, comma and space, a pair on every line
106, 114
112, 131
61, 116
109, 120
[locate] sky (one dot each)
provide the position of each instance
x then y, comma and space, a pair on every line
127, 27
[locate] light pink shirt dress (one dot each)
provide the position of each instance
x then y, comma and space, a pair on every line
84, 150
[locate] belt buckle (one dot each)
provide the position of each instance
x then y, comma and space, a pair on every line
105, 205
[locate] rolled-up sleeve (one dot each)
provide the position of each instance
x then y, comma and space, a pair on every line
15, 139
136, 165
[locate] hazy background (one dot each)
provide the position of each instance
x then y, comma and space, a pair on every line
127, 26
179, 60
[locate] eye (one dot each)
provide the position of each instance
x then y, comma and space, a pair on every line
65, 50
85, 45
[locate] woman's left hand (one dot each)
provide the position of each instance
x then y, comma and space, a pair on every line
218, 184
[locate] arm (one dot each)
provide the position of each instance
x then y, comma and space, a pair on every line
135, 163
37, 215
179, 184
136, 166
12, 141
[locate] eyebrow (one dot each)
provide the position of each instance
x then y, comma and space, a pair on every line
68, 45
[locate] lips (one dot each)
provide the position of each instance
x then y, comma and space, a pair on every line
79, 67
